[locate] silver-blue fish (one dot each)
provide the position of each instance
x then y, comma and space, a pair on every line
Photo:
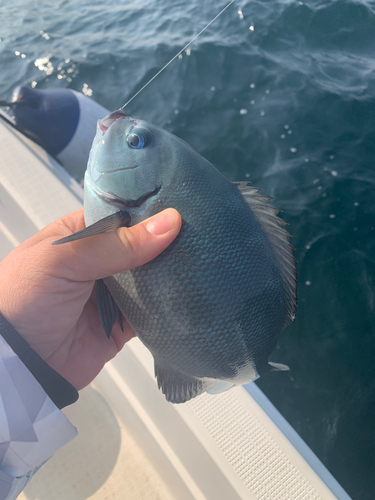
211, 307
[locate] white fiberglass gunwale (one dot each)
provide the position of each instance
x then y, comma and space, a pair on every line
235, 445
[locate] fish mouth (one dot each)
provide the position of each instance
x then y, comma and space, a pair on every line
114, 200
110, 119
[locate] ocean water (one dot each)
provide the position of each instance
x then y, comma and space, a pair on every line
277, 92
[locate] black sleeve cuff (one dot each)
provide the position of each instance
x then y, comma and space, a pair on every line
60, 391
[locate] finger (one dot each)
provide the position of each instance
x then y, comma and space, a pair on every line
64, 226
111, 253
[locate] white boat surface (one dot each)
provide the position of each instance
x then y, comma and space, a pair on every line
132, 443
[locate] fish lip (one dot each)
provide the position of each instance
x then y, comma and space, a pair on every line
106, 122
114, 200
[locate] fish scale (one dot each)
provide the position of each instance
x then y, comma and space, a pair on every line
210, 307
213, 290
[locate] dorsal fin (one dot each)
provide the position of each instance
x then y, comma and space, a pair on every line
278, 238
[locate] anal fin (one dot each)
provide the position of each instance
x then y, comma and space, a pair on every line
109, 312
177, 387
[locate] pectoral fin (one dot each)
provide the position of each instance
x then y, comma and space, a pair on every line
106, 225
109, 312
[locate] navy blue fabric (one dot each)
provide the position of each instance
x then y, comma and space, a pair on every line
49, 117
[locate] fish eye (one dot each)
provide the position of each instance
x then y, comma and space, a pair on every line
138, 138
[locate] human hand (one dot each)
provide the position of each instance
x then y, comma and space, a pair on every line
46, 292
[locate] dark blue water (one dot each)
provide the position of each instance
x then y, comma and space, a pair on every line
288, 105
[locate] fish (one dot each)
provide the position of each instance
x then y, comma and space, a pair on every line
210, 308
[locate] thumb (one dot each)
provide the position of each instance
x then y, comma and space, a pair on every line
111, 253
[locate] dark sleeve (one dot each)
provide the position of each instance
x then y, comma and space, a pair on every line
59, 390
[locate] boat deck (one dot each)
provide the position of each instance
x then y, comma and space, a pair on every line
104, 462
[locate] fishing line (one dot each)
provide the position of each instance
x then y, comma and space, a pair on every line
178, 53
